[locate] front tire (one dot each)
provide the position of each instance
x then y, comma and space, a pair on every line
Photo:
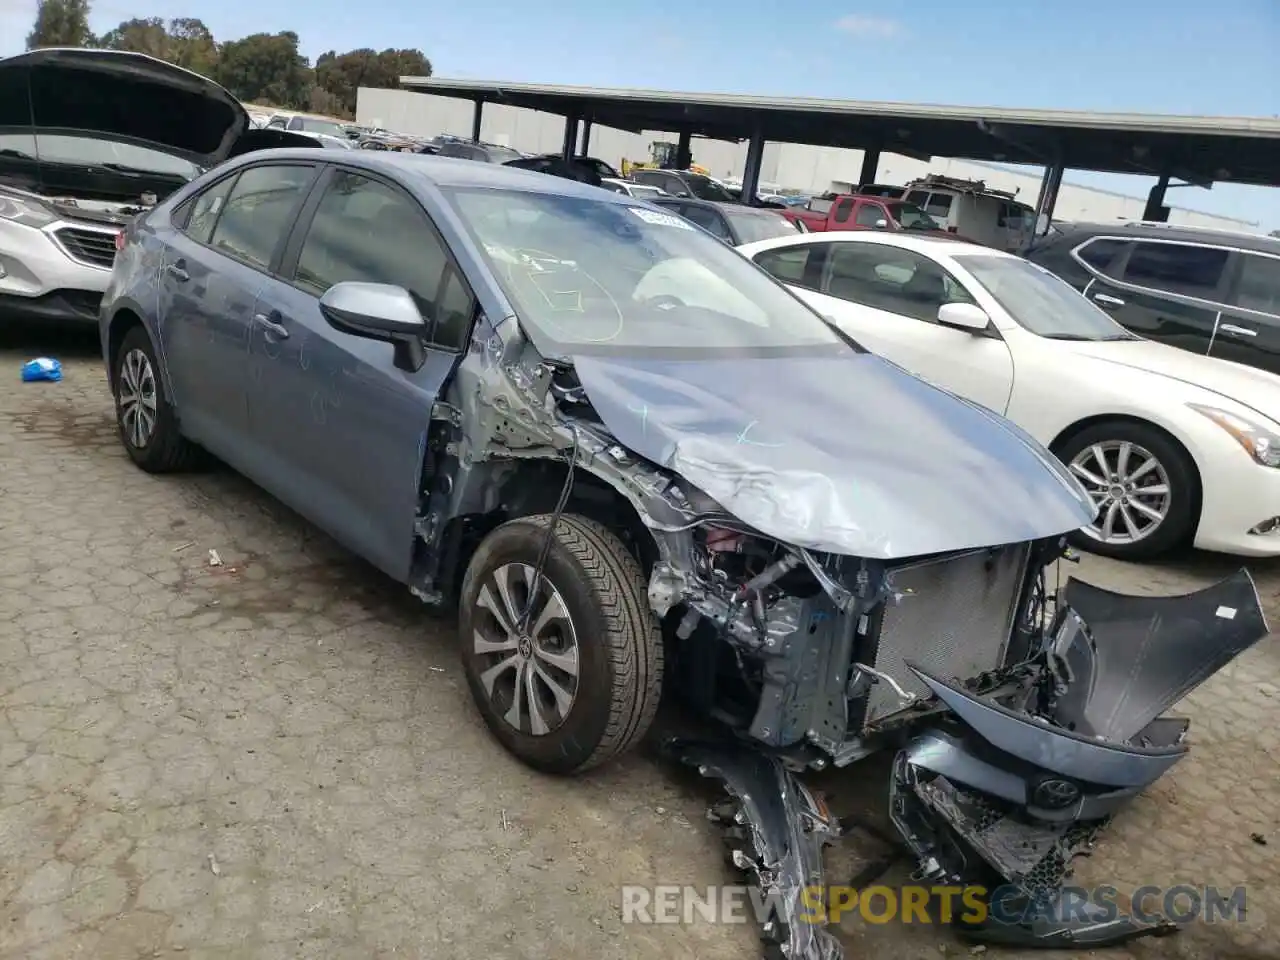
582, 684
145, 418
1144, 483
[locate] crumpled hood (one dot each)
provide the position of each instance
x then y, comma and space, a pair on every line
123, 96
1257, 389
848, 454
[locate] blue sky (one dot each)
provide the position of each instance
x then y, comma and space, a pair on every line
1160, 56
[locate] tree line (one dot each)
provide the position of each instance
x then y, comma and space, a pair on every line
261, 68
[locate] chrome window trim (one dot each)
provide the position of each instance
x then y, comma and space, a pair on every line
1176, 297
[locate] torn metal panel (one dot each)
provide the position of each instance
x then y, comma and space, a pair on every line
776, 830
848, 455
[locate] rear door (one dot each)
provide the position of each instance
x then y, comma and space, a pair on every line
218, 260
1163, 290
1249, 326
346, 427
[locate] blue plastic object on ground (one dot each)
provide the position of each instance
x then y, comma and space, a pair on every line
41, 368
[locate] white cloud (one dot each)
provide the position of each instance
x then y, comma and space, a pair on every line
864, 26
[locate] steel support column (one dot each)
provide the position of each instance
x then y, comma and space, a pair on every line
870, 166
475, 121
1156, 211
570, 137
1049, 187
586, 139
751, 172
684, 155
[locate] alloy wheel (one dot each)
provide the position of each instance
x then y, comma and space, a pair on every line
1129, 486
136, 396
530, 675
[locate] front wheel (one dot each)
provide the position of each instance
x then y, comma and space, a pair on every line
1143, 483
579, 682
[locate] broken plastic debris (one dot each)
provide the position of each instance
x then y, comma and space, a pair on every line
182, 546
213, 865
41, 368
214, 559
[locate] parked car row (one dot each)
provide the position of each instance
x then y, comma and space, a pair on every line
1136, 421
1172, 447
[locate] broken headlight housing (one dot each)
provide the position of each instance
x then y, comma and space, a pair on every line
1259, 441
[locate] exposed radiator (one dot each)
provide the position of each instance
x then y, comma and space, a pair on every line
954, 620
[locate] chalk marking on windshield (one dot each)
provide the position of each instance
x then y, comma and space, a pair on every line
742, 437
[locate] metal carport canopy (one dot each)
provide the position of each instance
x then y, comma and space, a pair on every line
1196, 149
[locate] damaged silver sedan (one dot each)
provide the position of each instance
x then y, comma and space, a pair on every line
641, 467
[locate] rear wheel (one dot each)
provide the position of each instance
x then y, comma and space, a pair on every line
144, 416
581, 683
1143, 483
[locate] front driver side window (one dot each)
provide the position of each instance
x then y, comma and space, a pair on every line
366, 230
891, 279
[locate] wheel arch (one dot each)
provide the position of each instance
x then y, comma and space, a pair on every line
125, 317
532, 487
1075, 429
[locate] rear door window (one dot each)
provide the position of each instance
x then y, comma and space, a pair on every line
1259, 285
843, 208
205, 210
259, 211
707, 218
1181, 268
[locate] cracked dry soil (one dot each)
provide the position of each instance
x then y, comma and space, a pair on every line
277, 757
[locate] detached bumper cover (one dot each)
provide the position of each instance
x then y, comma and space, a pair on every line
1007, 800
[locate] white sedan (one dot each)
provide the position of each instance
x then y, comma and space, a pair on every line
1172, 446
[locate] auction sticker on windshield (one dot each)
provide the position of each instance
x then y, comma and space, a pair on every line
660, 219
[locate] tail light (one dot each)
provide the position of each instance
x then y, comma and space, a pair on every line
119, 241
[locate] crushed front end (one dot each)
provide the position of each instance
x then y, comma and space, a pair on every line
1022, 719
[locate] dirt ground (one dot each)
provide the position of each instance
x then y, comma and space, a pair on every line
277, 757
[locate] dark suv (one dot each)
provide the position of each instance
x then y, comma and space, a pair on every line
1208, 291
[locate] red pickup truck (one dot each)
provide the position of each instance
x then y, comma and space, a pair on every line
851, 212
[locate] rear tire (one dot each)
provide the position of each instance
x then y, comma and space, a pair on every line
1160, 462
145, 418
593, 702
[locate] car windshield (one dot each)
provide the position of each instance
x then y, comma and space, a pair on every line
643, 192
92, 152
704, 188
760, 226
316, 125
599, 276
503, 154
1040, 302
912, 217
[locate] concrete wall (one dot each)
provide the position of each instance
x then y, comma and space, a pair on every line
787, 165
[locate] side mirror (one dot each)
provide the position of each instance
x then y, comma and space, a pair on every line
379, 311
963, 316
882, 224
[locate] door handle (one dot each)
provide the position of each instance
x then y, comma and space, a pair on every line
1238, 331
273, 326
1108, 299
178, 270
